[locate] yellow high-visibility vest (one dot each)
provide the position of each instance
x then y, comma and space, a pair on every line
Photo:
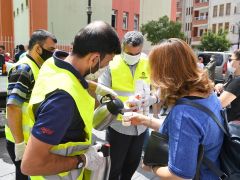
50, 79
123, 83
26, 124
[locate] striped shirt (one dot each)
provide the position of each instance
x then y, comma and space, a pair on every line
20, 84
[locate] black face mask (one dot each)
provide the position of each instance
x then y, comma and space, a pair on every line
45, 54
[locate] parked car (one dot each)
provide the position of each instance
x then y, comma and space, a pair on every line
221, 63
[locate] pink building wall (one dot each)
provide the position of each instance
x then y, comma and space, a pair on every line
173, 10
124, 6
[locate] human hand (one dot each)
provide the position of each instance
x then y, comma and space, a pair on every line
136, 119
94, 159
134, 102
218, 88
19, 150
149, 100
104, 90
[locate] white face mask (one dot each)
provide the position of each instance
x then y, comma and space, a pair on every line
230, 69
97, 74
131, 60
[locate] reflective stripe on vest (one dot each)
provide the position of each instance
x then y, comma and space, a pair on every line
122, 80
26, 124
53, 78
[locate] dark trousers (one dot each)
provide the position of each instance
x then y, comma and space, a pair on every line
125, 154
11, 152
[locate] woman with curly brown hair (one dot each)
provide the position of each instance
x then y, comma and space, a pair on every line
175, 72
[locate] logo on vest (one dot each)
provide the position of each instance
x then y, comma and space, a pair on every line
143, 76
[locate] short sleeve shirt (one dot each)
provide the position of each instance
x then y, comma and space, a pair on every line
57, 117
233, 110
187, 128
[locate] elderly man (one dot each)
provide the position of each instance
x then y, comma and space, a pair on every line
122, 76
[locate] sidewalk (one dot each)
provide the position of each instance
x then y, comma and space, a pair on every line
7, 169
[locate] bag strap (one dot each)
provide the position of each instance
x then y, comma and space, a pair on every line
199, 162
206, 110
205, 160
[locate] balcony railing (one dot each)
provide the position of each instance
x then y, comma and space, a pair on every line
198, 4
200, 20
197, 38
179, 9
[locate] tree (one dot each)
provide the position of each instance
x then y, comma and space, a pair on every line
162, 29
214, 42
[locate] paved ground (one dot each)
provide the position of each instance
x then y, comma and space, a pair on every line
7, 168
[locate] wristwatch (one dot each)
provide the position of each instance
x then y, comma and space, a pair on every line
80, 162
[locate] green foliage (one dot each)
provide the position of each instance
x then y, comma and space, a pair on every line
214, 42
162, 29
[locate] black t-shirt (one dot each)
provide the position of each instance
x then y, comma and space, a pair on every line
233, 110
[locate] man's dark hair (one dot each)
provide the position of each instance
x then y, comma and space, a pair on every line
39, 37
133, 38
21, 47
2, 46
99, 37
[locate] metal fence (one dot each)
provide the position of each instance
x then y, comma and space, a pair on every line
10, 44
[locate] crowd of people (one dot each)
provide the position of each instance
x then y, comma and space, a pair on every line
50, 111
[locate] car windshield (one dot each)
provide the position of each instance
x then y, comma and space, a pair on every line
206, 58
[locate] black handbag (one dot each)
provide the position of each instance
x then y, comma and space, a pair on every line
156, 153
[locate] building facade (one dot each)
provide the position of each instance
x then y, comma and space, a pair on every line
199, 20
225, 15
6, 25
199, 16
19, 18
153, 10
30, 15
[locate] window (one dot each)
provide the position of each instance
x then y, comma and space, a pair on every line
233, 29
186, 27
136, 22
220, 26
215, 9
22, 7
125, 20
221, 10
114, 19
226, 26
201, 32
14, 14
228, 8
178, 4
235, 10
17, 11
26, 3
214, 28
